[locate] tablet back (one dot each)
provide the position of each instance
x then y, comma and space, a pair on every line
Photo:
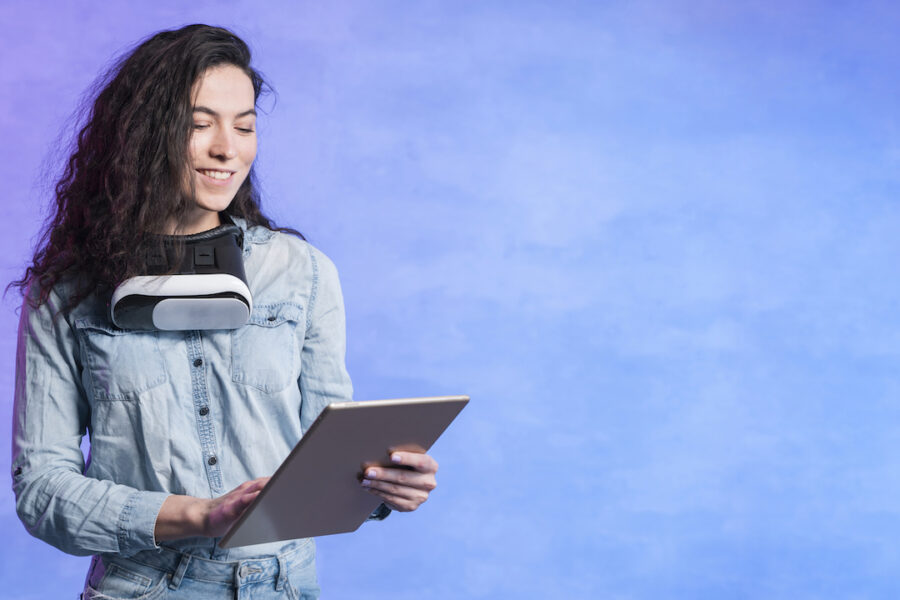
316, 489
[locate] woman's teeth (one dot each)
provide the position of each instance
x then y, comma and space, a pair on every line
216, 174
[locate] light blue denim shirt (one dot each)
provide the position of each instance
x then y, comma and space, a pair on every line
185, 412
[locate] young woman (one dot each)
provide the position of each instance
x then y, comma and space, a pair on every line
185, 426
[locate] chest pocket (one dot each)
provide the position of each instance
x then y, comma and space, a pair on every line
120, 364
264, 352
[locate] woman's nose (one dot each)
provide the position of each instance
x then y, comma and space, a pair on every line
222, 146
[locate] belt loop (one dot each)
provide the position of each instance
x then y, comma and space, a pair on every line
282, 573
238, 572
178, 575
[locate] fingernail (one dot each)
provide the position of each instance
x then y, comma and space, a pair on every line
366, 482
370, 473
395, 457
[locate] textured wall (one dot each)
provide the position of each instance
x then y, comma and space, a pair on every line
656, 243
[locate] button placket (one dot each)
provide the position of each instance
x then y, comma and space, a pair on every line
205, 428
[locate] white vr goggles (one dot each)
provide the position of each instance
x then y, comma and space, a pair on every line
208, 291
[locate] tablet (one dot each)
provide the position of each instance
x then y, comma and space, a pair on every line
316, 490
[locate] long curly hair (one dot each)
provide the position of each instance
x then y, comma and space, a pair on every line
124, 182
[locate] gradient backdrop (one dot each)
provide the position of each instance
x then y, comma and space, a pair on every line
656, 242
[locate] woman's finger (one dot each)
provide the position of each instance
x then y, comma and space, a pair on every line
400, 491
249, 497
419, 461
251, 484
404, 477
259, 484
395, 502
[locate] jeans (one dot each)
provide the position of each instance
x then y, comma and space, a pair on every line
171, 575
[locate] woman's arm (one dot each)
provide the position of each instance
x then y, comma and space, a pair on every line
323, 371
54, 500
324, 379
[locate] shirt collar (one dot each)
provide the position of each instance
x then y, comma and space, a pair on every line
253, 235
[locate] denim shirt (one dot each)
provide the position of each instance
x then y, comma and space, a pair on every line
171, 412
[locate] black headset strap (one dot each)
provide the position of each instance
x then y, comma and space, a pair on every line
227, 227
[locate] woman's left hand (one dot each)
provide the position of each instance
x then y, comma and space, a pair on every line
405, 488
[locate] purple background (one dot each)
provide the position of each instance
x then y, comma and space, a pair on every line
656, 242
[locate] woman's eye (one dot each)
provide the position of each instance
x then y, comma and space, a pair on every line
201, 125
245, 129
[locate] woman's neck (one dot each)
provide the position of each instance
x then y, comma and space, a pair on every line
197, 222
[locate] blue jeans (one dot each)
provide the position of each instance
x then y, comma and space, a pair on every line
167, 574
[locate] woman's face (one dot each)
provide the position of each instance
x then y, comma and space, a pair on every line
223, 142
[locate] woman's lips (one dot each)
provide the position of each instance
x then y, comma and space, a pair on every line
216, 176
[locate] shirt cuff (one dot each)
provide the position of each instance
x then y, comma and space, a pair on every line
380, 513
137, 522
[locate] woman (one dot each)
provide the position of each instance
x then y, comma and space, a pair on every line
176, 418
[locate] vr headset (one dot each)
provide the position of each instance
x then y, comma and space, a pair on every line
208, 291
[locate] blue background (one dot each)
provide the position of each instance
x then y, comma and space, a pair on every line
656, 242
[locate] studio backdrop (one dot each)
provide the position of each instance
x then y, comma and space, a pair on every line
655, 242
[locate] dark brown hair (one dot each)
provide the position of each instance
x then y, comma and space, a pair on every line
123, 182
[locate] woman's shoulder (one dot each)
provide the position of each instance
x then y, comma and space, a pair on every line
285, 245
58, 299
298, 252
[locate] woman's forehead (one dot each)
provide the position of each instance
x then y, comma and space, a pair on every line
224, 90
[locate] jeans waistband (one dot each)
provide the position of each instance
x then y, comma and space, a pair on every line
236, 572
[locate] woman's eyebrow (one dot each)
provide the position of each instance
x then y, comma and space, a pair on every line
213, 113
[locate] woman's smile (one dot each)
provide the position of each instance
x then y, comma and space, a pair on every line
217, 176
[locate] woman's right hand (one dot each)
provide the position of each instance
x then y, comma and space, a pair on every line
221, 512
186, 516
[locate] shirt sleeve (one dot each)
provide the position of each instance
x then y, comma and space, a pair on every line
324, 377
55, 501
323, 372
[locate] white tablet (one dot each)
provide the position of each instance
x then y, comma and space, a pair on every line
316, 489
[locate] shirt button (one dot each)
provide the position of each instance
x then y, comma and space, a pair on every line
204, 410
212, 460
198, 362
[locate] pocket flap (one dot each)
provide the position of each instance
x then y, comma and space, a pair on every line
272, 315
99, 325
